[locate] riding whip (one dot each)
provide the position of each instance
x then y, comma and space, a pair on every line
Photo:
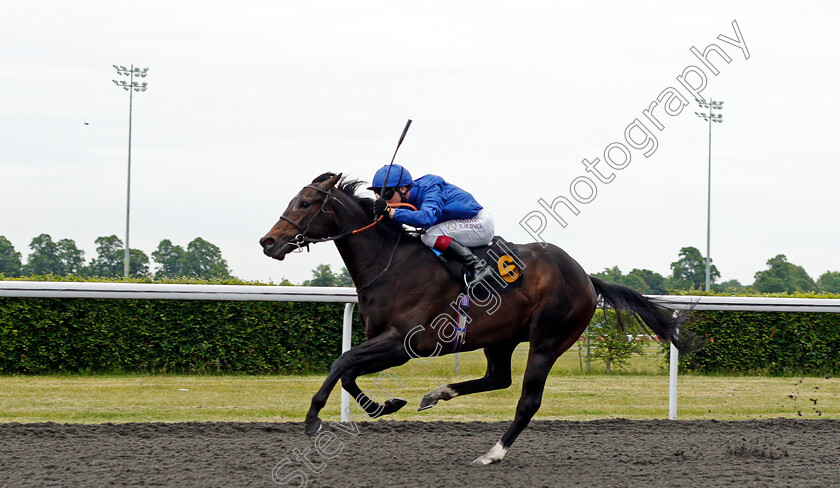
382, 191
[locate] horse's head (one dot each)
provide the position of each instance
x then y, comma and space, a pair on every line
310, 214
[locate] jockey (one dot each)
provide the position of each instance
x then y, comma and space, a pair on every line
453, 220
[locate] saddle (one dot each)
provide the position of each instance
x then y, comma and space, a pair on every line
502, 257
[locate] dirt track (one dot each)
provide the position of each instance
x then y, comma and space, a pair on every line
549, 453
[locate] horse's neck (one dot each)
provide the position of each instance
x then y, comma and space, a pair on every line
367, 254
380, 255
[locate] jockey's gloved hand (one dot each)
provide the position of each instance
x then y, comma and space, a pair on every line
380, 207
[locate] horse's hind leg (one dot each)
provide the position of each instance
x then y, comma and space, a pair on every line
497, 377
551, 336
536, 372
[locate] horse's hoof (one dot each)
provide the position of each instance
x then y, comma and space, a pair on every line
484, 461
430, 399
395, 404
390, 407
313, 427
493, 456
427, 402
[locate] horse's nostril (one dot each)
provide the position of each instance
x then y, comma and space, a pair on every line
267, 241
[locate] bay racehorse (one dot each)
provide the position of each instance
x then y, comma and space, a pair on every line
406, 297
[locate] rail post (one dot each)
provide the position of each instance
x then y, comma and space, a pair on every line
346, 343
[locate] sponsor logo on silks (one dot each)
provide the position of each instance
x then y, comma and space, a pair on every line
508, 269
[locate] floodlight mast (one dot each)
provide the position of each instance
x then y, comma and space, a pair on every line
131, 86
711, 105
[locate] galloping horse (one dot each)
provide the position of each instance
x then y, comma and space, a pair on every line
404, 292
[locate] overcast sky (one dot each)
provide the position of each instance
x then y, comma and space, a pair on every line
249, 101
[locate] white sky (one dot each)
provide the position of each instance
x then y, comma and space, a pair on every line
247, 103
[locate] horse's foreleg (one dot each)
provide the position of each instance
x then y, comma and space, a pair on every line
536, 372
312, 424
370, 406
383, 351
372, 365
496, 377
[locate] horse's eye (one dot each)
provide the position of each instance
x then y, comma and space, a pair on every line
304, 204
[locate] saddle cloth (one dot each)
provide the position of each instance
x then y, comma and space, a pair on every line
502, 257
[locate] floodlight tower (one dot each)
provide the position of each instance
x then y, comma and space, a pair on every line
130, 86
709, 117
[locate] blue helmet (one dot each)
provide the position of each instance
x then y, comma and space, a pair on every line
398, 176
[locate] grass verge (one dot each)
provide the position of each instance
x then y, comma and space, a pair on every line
640, 392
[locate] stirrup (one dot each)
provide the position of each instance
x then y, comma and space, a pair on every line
477, 277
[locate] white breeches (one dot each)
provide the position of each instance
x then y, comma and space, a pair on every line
477, 231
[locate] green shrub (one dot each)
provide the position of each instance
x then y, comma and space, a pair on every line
612, 344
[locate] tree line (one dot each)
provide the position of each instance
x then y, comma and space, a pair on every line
200, 259
688, 272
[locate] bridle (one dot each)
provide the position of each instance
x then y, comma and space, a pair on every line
301, 240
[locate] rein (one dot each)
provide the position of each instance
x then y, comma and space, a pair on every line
358, 231
385, 269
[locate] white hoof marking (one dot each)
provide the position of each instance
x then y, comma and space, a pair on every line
444, 393
493, 456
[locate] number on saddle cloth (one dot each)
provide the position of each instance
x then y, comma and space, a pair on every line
502, 257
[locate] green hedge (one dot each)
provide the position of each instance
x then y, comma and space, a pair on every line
48, 335
776, 343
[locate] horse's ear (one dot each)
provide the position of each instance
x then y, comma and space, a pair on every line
330, 182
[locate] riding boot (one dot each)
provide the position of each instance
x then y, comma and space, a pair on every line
479, 271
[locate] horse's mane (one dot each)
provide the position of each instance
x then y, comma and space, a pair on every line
349, 187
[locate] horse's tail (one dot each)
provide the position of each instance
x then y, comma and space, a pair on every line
660, 319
